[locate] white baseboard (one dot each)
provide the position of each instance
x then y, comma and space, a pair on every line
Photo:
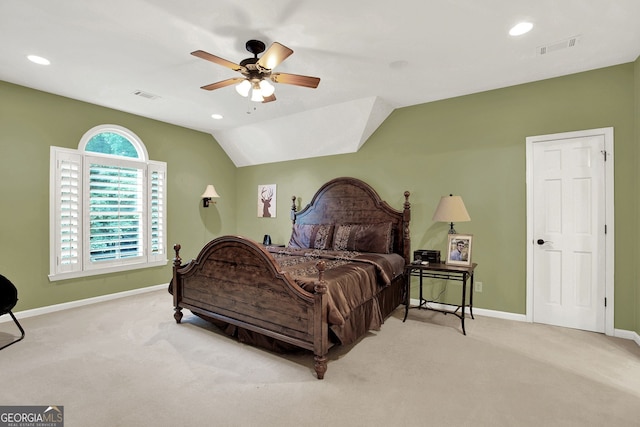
629, 335
72, 304
619, 333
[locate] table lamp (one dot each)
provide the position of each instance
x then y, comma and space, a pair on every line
451, 209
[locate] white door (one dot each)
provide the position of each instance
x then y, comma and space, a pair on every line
567, 244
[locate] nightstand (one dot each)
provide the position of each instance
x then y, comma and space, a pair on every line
458, 273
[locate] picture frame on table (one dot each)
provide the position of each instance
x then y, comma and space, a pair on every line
459, 249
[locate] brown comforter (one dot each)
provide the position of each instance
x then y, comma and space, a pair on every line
353, 281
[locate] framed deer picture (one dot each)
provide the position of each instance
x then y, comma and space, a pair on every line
267, 201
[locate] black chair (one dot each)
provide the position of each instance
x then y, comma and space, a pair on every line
8, 300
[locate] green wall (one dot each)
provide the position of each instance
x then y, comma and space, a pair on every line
474, 146
30, 122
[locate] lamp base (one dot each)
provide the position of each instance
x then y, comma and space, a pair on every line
452, 230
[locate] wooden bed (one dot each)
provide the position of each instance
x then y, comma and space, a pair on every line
244, 286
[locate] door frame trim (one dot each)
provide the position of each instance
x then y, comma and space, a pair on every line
609, 217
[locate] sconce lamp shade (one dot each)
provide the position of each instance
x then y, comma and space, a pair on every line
209, 193
451, 209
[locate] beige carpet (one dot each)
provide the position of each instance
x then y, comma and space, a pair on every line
127, 363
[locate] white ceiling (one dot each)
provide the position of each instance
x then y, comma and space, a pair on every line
372, 57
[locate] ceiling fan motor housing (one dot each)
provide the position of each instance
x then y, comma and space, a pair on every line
253, 71
255, 47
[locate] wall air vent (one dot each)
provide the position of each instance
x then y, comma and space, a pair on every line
145, 94
553, 47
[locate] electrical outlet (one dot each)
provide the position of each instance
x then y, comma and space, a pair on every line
478, 286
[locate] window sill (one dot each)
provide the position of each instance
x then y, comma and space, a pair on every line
87, 273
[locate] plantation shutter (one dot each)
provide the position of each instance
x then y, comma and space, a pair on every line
107, 206
115, 211
157, 188
67, 202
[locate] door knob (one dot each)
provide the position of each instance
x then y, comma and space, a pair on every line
542, 242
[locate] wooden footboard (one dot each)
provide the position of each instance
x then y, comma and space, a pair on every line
235, 280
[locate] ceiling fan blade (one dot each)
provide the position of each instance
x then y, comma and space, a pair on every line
216, 59
223, 83
269, 98
296, 79
274, 56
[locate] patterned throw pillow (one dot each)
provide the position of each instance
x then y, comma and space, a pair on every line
374, 238
311, 236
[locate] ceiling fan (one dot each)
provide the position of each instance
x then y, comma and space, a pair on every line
258, 72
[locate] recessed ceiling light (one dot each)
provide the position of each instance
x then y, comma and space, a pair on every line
217, 116
38, 60
521, 28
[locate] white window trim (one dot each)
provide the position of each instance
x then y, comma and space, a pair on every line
78, 156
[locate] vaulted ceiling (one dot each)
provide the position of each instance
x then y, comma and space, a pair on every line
372, 57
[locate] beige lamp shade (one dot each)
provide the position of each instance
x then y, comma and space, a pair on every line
451, 209
209, 193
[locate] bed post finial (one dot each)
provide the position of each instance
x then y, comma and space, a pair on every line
321, 286
406, 217
407, 205
294, 209
177, 261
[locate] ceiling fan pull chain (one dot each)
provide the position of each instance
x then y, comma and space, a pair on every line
249, 105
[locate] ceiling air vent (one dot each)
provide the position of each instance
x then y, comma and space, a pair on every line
145, 94
553, 47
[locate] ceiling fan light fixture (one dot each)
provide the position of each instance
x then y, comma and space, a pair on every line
266, 88
256, 96
243, 88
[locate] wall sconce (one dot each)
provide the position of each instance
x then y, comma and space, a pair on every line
209, 193
451, 209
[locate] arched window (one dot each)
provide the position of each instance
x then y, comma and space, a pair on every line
113, 140
108, 205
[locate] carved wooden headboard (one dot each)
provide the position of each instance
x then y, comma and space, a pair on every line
351, 201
